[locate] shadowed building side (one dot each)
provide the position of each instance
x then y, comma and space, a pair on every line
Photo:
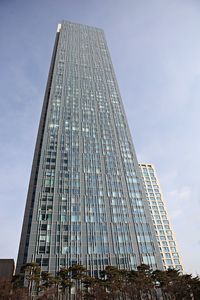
25, 235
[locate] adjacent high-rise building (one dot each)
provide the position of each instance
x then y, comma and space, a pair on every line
86, 203
164, 232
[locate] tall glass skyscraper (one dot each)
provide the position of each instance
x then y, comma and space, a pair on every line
86, 203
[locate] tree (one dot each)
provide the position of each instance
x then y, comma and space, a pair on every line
78, 273
140, 283
10, 292
31, 273
113, 283
64, 281
195, 287
46, 280
89, 287
161, 282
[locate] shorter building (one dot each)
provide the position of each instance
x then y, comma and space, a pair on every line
7, 267
163, 228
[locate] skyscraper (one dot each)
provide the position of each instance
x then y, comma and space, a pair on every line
164, 232
85, 202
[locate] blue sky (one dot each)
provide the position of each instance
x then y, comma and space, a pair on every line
155, 48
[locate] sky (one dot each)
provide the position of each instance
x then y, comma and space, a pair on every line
155, 49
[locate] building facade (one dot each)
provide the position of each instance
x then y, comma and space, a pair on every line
86, 203
164, 233
7, 267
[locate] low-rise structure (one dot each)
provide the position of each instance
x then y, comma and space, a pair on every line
7, 267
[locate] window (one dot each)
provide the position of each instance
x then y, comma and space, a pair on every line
166, 249
42, 238
45, 262
42, 249
175, 254
176, 261
44, 227
169, 261
172, 243
164, 243
167, 255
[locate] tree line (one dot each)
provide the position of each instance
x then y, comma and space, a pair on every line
74, 283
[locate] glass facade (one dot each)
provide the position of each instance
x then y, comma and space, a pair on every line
86, 203
164, 233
